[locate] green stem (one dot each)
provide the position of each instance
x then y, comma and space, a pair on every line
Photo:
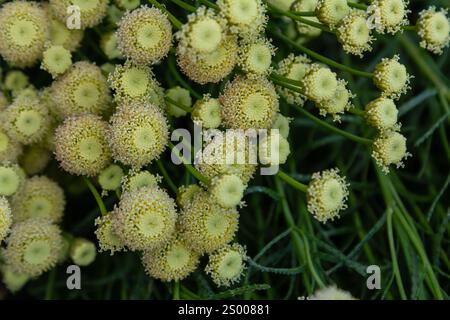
210, 4
357, 5
444, 104
173, 70
189, 167
50, 285
98, 198
166, 176
179, 105
409, 28
185, 5
176, 23
284, 79
395, 267
176, 290
291, 181
357, 112
321, 58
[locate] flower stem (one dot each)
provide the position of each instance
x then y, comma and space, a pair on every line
166, 176
179, 105
100, 203
291, 181
210, 4
173, 70
176, 23
410, 28
357, 5
185, 5
321, 58
189, 167
176, 290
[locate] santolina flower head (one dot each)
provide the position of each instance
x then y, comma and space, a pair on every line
331, 12
255, 56
182, 97
382, 114
12, 178
206, 112
5, 218
389, 148
354, 34
137, 179
226, 266
91, 12
295, 68
303, 28
10, 149
388, 15
82, 251
433, 27
107, 239
391, 77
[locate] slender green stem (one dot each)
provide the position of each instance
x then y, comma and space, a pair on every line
179, 105
395, 267
166, 176
444, 104
210, 4
189, 167
410, 28
291, 181
298, 18
176, 290
185, 5
50, 285
176, 23
321, 58
310, 263
173, 70
286, 85
305, 13
357, 112
98, 198
284, 79
357, 5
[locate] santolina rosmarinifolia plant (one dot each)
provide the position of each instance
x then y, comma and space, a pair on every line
105, 102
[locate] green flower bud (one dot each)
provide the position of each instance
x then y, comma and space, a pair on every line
433, 27
127, 4
136, 180
138, 134
331, 12
144, 35
388, 15
24, 29
12, 178
81, 145
186, 194
389, 148
107, 239
92, 12
16, 81
354, 34
255, 57
40, 197
338, 104
145, 218
180, 95
249, 103
12, 279
228, 190
206, 112
33, 247
57, 60
282, 124
173, 262
60, 35
5, 218
108, 44
302, 28
82, 89
319, 83
382, 114
294, 68
205, 225
110, 178
226, 265
35, 159
82, 252
391, 77
327, 195
274, 152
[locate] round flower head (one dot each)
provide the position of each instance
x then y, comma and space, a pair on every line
331, 293
233, 155
302, 28
210, 67
10, 149
319, 83
205, 225
433, 27
389, 148
382, 114
144, 35
12, 178
40, 197
391, 77
136, 180
16, 81
388, 15
226, 265
107, 239
228, 190
114, 14
108, 44
203, 32
273, 149
354, 34
82, 252
206, 112
138, 134
81, 146
29, 92
60, 35
127, 4
132, 83
91, 12
5, 218
24, 29
110, 178
282, 124
12, 279
57, 60
294, 68
82, 89
27, 120
338, 104
331, 12
174, 261
33, 247
327, 195
35, 159
247, 18
182, 97
186, 194
145, 218
249, 103
255, 57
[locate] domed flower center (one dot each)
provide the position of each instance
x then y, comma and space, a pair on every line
29, 122
149, 35
23, 32
4, 142
177, 257
90, 149
86, 5
37, 252
39, 207
255, 106
243, 11
144, 138
216, 225
151, 225
9, 181
135, 82
86, 95
206, 35
231, 265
